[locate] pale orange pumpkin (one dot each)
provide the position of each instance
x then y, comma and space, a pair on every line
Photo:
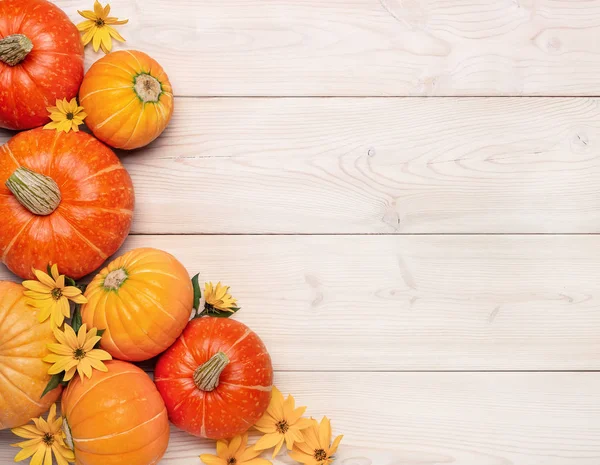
128, 99
23, 374
143, 300
115, 418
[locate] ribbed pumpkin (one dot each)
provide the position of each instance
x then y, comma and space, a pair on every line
23, 374
216, 380
143, 300
115, 418
128, 99
68, 201
41, 60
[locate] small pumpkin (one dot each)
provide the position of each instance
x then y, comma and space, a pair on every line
65, 198
128, 99
216, 380
143, 300
23, 374
115, 418
41, 60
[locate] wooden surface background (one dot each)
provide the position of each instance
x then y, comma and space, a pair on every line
425, 271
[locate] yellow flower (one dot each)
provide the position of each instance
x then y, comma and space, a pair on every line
66, 116
51, 295
218, 298
234, 452
44, 438
281, 422
317, 448
75, 352
97, 27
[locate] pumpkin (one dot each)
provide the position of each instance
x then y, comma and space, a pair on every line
128, 99
65, 198
216, 380
41, 60
143, 300
115, 418
23, 374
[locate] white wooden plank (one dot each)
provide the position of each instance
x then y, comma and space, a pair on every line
439, 418
408, 302
367, 47
295, 165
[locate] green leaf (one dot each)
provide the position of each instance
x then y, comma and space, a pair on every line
70, 281
197, 293
49, 269
54, 382
76, 319
222, 313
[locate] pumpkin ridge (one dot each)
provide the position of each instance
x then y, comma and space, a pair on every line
109, 169
38, 87
85, 393
113, 435
94, 92
126, 329
8, 310
138, 324
137, 124
254, 388
114, 115
141, 68
158, 305
11, 155
244, 336
26, 330
10, 383
86, 240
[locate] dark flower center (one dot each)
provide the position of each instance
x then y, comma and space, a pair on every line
231, 461
48, 439
320, 454
79, 354
282, 426
100, 22
70, 116
56, 294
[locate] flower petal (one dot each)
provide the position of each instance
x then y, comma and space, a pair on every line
36, 286
336, 442
278, 447
325, 433
27, 432
268, 441
114, 34
44, 279
275, 408
210, 459
99, 354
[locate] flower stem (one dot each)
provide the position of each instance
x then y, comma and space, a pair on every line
206, 376
14, 49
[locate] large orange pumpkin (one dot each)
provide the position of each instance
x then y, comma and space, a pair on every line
128, 99
216, 380
41, 60
143, 300
68, 201
23, 374
115, 418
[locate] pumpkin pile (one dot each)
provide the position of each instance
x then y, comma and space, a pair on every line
67, 204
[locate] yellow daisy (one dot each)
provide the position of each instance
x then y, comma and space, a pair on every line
51, 296
282, 422
98, 28
234, 452
316, 448
44, 439
218, 298
75, 352
66, 116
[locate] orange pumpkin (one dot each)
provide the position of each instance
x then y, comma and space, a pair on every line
68, 201
115, 418
143, 300
23, 374
128, 99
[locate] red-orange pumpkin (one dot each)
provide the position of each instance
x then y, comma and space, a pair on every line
70, 202
41, 60
216, 380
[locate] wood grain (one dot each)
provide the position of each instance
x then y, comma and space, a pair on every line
366, 47
451, 165
371, 303
438, 418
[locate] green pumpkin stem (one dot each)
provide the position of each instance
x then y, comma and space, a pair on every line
14, 49
206, 376
36, 192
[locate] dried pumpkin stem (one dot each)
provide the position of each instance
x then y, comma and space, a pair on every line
36, 192
115, 279
147, 88
14, 49
206, 376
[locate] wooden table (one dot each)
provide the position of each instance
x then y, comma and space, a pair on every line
425, 271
